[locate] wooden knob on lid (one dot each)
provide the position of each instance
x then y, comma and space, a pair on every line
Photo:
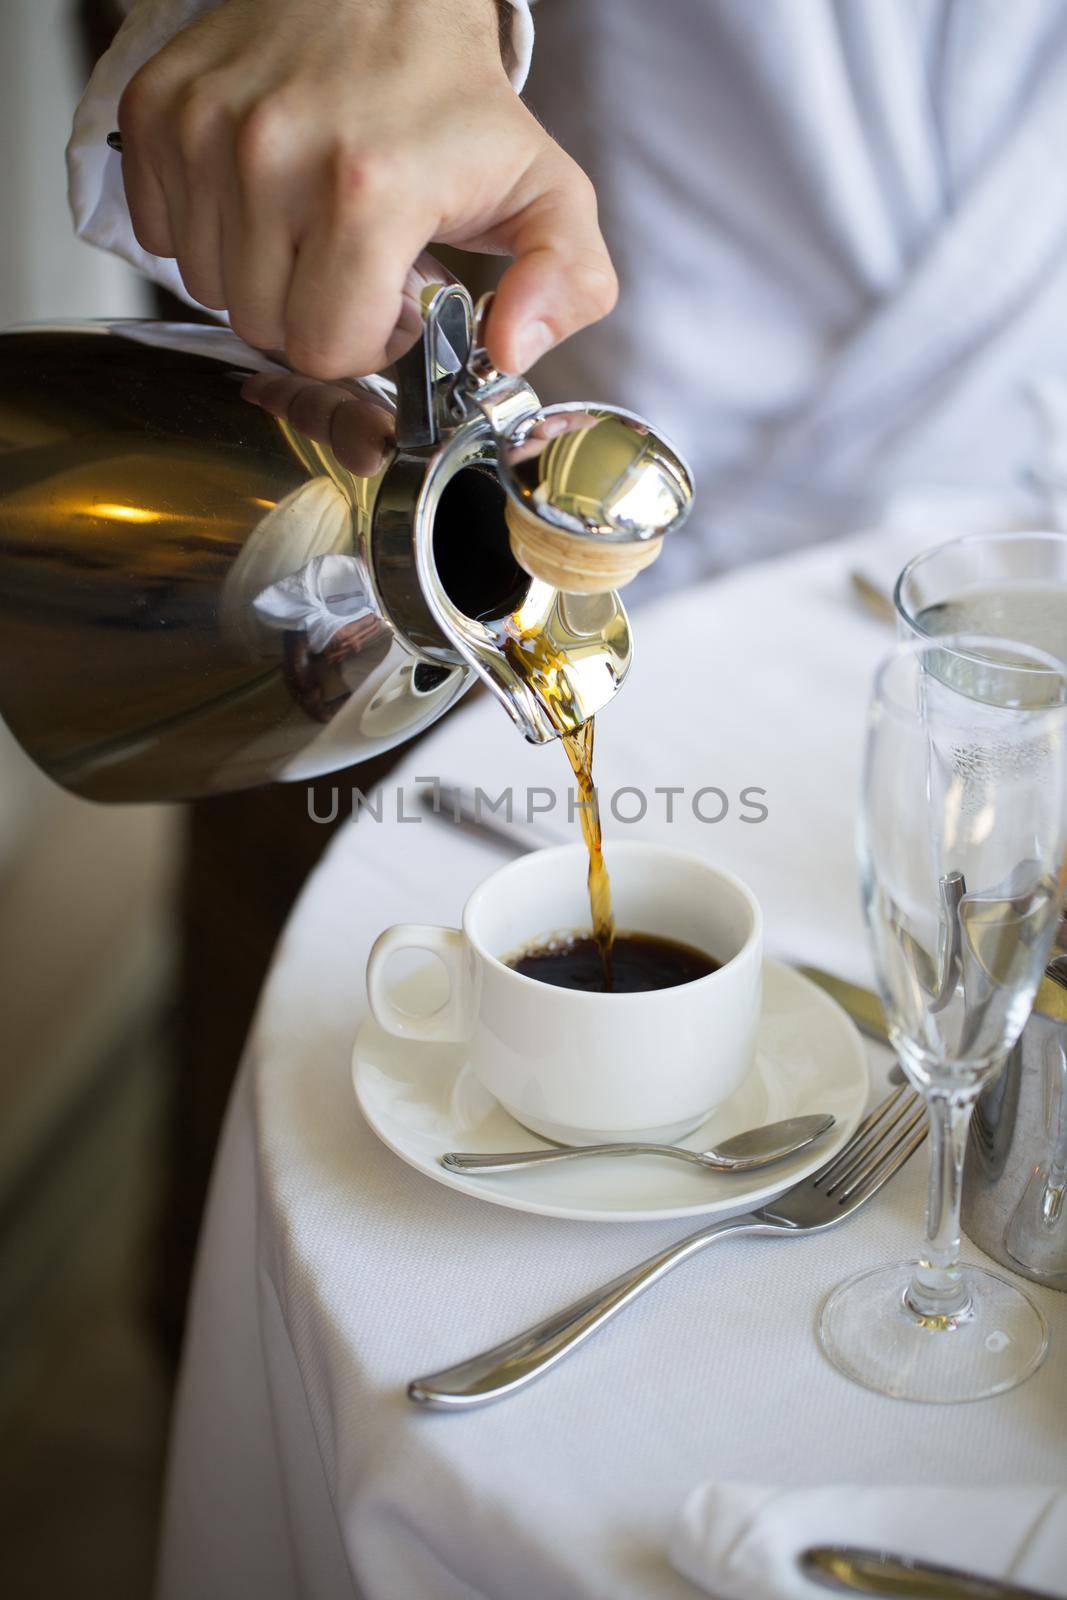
591, 493
577, 564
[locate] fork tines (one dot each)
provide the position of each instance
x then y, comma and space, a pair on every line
881, 1144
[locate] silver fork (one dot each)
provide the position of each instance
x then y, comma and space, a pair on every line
881, 1144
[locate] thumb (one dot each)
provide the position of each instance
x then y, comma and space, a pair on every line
561, 278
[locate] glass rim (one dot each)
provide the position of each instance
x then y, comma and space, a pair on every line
1008, 536
966, 646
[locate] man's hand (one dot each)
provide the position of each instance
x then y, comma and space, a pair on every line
295, 156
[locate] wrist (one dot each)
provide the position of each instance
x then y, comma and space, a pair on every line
505, 18
486, 26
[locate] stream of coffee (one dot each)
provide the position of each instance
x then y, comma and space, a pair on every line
579, 748
549, 660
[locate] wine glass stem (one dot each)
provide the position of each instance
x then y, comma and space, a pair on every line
937, 1290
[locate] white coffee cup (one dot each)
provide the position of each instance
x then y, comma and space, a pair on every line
578, 1067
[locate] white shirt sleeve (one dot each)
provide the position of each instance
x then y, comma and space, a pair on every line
94, 173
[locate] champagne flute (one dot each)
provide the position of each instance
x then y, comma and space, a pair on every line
962, 838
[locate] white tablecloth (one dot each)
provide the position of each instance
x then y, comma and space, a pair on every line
331, 1273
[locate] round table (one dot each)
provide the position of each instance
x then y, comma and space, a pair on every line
330, 1273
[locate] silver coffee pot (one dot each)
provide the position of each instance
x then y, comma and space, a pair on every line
215, 573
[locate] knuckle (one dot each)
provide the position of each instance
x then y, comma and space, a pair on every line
264, 136
139, 103
328, 355
572, 182
360, 178
152, 236
316, 358
608, 298
580, 187
256, 329
203, 288
596, 284
198, 116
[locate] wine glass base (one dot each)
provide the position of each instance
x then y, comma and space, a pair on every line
869, 1332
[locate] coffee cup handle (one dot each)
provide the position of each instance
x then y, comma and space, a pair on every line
451, 1022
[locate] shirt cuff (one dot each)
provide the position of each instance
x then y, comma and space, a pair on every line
522, 39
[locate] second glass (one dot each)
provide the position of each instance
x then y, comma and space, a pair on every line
962, 840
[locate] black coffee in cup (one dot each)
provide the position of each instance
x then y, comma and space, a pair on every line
639, 962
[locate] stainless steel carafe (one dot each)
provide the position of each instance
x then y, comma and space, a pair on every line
215, 573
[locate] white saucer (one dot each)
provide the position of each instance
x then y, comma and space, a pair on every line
423, 1099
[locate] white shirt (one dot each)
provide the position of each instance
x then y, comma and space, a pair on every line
840, 228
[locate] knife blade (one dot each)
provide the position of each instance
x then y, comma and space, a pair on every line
452, 803
848, 1570
865, 1008
860, 1004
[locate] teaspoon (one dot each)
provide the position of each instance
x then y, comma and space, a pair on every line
756, 1148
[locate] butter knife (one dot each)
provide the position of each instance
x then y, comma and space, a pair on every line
860, 1004
874, 600
876, 1572
865, 1008
451, 803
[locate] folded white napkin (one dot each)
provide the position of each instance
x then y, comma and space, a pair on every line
740, 1541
